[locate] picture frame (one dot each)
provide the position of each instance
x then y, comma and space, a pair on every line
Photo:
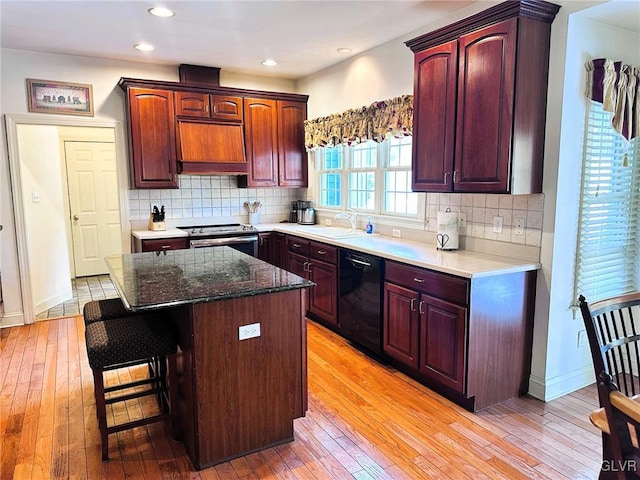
64, 98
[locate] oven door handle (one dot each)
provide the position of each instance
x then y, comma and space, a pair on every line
212, 242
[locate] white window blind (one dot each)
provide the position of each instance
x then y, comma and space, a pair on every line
608, 253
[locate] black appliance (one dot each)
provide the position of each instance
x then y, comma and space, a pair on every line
235, 235
360, 301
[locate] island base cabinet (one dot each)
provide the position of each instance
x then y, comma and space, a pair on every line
240, 396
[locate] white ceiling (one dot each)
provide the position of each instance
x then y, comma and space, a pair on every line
236, 35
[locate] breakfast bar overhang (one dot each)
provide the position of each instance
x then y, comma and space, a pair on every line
242, 364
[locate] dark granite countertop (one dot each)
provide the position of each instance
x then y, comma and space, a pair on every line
161, 279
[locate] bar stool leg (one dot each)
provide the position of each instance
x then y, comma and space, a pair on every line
101, 411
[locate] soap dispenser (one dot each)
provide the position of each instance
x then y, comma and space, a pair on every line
368, 227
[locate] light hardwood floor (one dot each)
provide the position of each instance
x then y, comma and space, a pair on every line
365, 421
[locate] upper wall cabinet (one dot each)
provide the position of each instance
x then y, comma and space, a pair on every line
152, 138
480, 89
200, 129
274, 137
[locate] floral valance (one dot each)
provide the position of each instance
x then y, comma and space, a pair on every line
378, 121
617, 86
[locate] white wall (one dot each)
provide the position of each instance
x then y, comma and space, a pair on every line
15, 67
46, 235
559, 366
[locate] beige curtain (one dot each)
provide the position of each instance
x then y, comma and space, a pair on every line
378, 121
617, 86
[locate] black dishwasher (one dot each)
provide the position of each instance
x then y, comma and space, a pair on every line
360, 304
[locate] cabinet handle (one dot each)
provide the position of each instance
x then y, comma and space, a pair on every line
305, 266
420, 307
309, 267
412, 305
419, 280
165, 247
321, 252
446, 177
296, 245
455, 176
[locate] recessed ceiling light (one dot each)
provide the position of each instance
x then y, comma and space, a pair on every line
161, 12
344, 50
269, 63
145, 47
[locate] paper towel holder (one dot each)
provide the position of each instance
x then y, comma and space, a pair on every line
447, 230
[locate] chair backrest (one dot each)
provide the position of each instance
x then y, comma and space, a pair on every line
623, 420
613, 330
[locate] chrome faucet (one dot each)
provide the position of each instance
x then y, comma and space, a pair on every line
351, 216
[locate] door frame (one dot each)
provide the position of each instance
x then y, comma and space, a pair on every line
11, 122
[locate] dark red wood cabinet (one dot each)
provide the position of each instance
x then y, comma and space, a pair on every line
152, 138
159, 244
274, 138
480, 89
469, 339
319, 263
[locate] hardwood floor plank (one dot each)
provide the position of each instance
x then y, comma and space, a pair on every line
365, 421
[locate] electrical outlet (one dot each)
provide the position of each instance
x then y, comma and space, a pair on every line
497, 224
462, 220
327, 222
248, 331
396, 233
519, 225
582, 338
35, 197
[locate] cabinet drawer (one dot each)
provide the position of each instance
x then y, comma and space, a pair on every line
440, 285
298, 245
322, 251
160, 244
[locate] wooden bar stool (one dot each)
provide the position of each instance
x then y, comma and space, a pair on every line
127, 341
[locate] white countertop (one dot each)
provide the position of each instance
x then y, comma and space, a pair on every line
463, 263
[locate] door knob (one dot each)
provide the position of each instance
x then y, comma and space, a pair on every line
76, 217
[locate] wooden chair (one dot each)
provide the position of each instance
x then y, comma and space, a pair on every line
613, 331
126, 341
621, 423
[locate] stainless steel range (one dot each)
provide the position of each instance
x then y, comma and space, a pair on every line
235, 235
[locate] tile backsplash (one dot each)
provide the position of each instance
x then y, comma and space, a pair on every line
207, 196
481, 210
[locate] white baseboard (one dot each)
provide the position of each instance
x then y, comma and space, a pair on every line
559, 386
12, 320
52, 301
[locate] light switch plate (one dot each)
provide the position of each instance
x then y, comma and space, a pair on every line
497, 224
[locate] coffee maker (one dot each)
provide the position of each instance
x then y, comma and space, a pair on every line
293, 214
306, 213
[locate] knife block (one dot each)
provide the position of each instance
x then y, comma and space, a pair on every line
156, 226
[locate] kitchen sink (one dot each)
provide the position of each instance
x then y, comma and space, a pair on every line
336, 232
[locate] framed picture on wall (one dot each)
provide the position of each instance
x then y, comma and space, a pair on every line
47, 96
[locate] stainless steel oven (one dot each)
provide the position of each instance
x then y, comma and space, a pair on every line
241, 237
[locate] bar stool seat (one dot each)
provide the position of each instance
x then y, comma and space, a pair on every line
99, 310
127, 341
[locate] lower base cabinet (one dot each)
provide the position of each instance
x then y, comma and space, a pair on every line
468, 339
159, 244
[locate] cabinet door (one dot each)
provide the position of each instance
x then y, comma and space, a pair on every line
486, 82
443, 342
226, 108
264, 247
277, 249
152, 138
261, 142
190, 104
298, 264
435, 80
323, 298
400, 324
292, 156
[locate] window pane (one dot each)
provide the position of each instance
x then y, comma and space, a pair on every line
365, 155
332, 158
398, 197
330, 189
400, 152
362, 190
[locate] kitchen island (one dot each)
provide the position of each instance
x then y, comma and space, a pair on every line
242, 371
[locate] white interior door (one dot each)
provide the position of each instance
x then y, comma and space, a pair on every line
94, 205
